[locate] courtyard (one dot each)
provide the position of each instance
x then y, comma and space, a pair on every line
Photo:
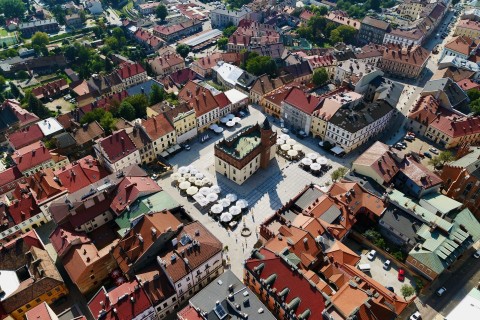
265, 191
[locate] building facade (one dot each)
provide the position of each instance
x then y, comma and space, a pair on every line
222, 17
373, 30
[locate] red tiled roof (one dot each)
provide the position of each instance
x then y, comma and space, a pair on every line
168, 30
180, 77
461, 44
130, 189
198, 97
380, 160
23, 116
25, 136
9, 175
222, 100
117, 146
302, 101
425, 110
341, 17
81, 173
64, 237
157, 126
23, 209
31, 156
298, 285
40, 312
456, 126
50, 89
306, 15
467, 84
166, 61
419, 174
415, 56
128, 70
189, 313
124, 302
105, 102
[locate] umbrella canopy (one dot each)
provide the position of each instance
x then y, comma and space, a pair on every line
204, 190
297, 147
218, 130
192, 190
312, 155
194, 171
285, 147
242, 203
226, 217
236, 120
187, 175
284, 136
217, 208
176, 175
199, 182
224, 120
292, 153
206, 181
182, 179
202, 202
184, 185
213, 126
230, 123
315, 166
291, 142
232, 197
191, 179
229, 116
199, 175
224, 202
280, 142
322, 160
307, 161
211, 197
215, 188
234, 210
183, 170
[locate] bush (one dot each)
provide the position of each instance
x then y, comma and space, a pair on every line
399, 255
418, 284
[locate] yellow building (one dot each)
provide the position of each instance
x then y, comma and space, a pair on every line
31, 276
468, 28
318, 126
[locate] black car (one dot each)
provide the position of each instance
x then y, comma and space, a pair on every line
390, 288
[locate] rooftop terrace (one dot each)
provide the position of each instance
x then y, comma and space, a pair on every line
242, 143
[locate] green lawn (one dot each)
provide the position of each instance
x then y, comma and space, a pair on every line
3, 32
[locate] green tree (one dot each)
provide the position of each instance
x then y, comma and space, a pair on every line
94, 115
320, 77
127, 111
37, 107
222, 43
157, 94
161, 12
473, 94
260, 65
374, 5
183, 50
344, 34
140, 103
107, 122
407, 290
229, 30
339, 173
446, 156
14, 90
2, 81
39, 42
435, 162
12, 8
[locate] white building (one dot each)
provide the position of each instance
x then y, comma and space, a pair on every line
117, 151
227, 74
50, 126
222, 16
357, 73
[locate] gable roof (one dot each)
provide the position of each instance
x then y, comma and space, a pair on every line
81, 173
25, 136
157, 126
117, 146
31, 156
302, 101
378, 158
199, 98
128, 70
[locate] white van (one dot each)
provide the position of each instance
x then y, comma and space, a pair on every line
365, 267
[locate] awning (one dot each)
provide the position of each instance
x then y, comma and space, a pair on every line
164, 154
337, 150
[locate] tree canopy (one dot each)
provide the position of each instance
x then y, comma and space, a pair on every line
339, 173
40, 41
35, 106
183, 50
228, 31
407, 290
320, 77
139, 103
157, 94
12, 8
161, 12
222, 43
259, 65
127, 111
344, 34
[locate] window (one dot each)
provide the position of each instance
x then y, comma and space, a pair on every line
58, 289
28, 306
92, 276
49, 294
179, 285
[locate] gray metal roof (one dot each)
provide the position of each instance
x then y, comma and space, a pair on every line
308, 197
218, 291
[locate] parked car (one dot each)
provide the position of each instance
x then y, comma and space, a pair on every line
387, 264
476, 255
398, 146
428, 155
409, 138
284, 130
410, 133
186, 147
401, 275
390, 288
441, 291
416, 316
433, 150
371, 255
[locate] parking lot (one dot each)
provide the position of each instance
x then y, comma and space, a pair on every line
66, 106
387, 278
421, 146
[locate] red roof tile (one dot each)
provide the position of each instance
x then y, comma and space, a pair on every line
467, 84
124, 302
378, 157
64, 237
130, 189
198, 97
222, 100
23, 209
455, 126
31, 156
117, 146
8, 176
25, 136
81, 173
50, 89
23, 116
128, 70
303, 101
180, 77
419, 174
157, 126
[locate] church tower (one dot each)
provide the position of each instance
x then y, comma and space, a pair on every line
266, 134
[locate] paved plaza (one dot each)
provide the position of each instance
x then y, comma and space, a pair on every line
265, 191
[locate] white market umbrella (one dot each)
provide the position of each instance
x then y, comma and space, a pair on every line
307, 161
224, 120
284, 136
285, 147
315, 166
297, 147
211, 197
312, 155
218, 130
292, 153
203, 202
184, 185
183, 170
191, 179
199, 175
226, 217
199, 182
229, 116
194, 171
242, 203
215, 188
217, 208
224, 202
230, 123
236, 120
232, 197
322, 160
192, 190
291, 142
204, 190
206, 181
182, 179
176, 175
280, 141
214, 126
235, 211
